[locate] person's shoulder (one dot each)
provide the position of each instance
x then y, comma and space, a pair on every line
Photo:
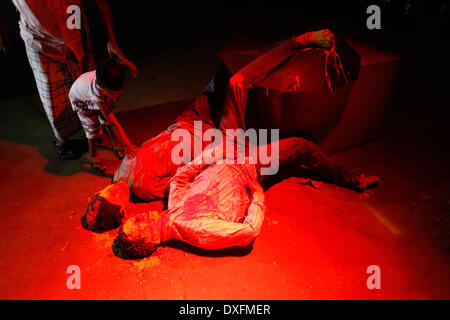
85, 86
85, 79
88, 77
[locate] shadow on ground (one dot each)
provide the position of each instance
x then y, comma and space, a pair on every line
34, 130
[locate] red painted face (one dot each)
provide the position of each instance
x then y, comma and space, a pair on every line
141, 234
117, 193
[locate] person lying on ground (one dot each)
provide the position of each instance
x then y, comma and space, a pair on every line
211, 205
206, 188
150, 171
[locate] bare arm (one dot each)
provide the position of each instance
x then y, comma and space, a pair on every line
117, 128
113, 48
323, 38
259, 69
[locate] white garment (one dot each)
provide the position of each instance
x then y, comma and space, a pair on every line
85, 94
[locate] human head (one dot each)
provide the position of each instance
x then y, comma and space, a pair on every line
106, 210
140, 235
110, 76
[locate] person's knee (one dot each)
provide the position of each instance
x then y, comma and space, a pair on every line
307, 150
306, 144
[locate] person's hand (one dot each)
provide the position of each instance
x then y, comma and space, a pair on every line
115, 52
131, 151
255, 186
323, 38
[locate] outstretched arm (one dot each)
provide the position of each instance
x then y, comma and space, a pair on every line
259, 69
323, 38
113, 49
117, 128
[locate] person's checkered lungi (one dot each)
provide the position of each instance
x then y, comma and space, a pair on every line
54, 80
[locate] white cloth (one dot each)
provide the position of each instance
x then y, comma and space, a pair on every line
212, 206
85, 94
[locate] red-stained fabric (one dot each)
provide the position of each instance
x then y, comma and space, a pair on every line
43, 27
305, 94
149, 172
212, 206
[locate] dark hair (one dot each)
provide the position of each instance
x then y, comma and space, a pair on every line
110, 74
101, 215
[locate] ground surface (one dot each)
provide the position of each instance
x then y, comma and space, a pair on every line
315, 243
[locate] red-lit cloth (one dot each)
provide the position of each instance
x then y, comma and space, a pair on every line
43, 27
53, 81
57, 56
148, 173
212, 206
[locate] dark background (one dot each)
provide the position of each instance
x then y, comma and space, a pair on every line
148, 30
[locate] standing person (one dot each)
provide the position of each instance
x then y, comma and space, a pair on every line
58, 55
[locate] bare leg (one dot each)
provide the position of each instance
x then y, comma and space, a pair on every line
93, 150
96, 162
293, 151
298, 151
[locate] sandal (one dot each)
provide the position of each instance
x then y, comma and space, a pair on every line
97, 165
64, 150
118, 153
